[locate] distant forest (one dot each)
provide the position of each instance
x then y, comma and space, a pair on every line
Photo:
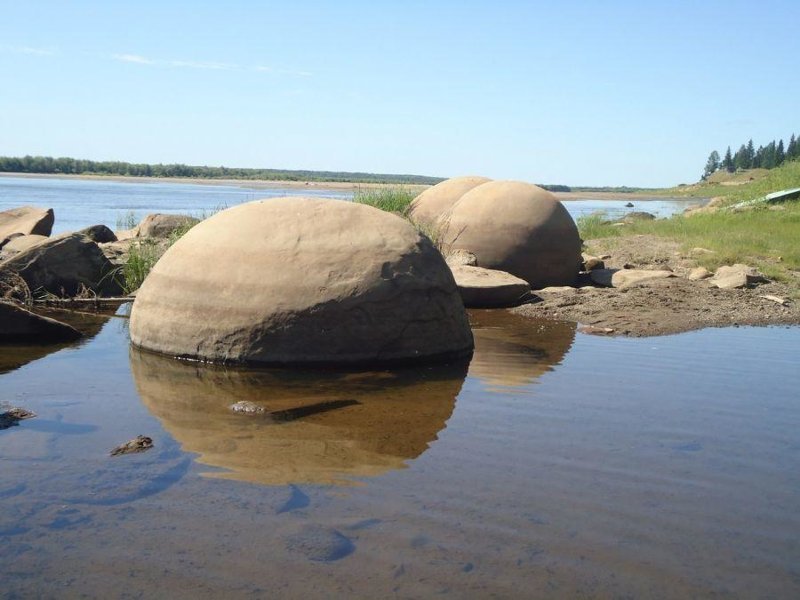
748, 157
75, 166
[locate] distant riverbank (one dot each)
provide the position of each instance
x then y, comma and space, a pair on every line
338, 186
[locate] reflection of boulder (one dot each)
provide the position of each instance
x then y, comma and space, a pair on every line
13, 356
319, 427
302, 280
511, 350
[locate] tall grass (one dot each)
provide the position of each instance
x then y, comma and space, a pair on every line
394, 199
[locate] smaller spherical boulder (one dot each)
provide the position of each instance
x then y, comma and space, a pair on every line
518, 228
302, 280
435, 201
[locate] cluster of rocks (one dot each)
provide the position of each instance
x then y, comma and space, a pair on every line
501, 238
85, 263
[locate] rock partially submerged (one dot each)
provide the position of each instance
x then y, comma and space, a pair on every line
13, 416
299, 280
25, 220
138, 444
486, 288
65, 266
20, 325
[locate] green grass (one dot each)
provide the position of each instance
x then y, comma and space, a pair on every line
394, 199
763, 238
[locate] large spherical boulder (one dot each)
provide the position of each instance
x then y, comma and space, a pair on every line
518, 228
302, 280
435, 201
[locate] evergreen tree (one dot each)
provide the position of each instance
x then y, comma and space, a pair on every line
780, 155
740, 158
727, 162
751, 154
768, 162
791, 149
712, 165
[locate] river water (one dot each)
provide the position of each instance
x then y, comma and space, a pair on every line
553, 464
78, 203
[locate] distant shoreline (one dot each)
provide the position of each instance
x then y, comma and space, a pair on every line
339, 186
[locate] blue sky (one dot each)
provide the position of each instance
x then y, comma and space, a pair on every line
581, 93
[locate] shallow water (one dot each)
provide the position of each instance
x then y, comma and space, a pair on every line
79, 203
555, 464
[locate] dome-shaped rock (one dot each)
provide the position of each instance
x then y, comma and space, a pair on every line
518, 228
299, 280
435, 201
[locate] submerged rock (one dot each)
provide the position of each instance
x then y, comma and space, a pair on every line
302, 280
13, 416
319, 543
138, 444
518, 228
20, 325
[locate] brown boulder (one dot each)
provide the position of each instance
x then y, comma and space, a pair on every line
20, 325
518, 228
64, 265
437, 200
162, 226
485, 288
27, 220
302, 280
627, 278
737, 276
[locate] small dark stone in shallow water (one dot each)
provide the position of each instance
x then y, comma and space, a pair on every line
13, 416
320, 544
246, 407
139, 444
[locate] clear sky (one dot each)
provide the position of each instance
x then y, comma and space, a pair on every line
581, 93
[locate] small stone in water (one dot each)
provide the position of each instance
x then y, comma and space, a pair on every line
13, 416
139, 444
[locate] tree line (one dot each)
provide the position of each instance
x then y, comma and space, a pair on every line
748, 157
75, 166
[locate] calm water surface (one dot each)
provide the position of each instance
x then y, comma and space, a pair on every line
78, 203
554, 464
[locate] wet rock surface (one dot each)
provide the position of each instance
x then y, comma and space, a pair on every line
12, 416
140, 443
18, 324
319, 543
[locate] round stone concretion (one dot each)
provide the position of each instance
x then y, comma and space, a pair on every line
518, 228
435, 201
302, 280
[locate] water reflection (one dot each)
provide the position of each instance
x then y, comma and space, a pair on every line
513, 351
14, 356
318, 427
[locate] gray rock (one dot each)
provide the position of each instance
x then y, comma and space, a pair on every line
140, 443
485, 288
20, 325
13, 416
64, 265
19, 243
319, 543
737, 276
634, 216
99, 233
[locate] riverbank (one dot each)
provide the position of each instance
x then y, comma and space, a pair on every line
662, 306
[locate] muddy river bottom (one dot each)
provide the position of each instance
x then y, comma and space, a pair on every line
555, 464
